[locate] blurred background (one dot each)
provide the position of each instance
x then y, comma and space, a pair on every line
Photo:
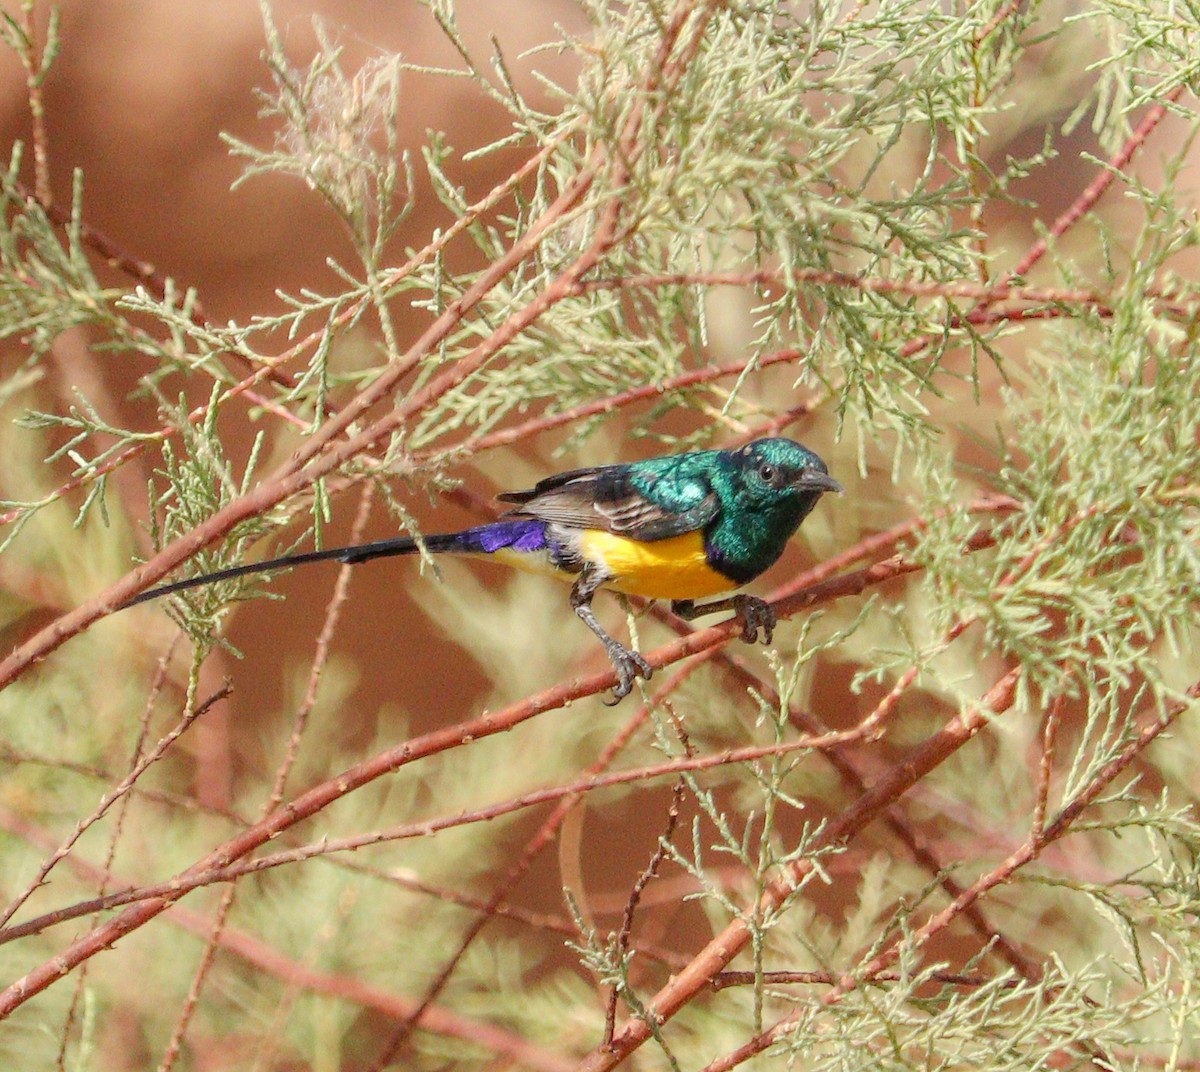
137, 100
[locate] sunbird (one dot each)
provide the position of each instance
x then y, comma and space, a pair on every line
678, 527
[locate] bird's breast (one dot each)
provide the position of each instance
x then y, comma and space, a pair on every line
674, 568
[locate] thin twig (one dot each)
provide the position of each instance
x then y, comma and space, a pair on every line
34, 60
262, 957
717, 954
1049, 739
323, 794
983, 293
299, 724
649, 872
1029, 851
826, 978
153, 756
344, 318
156, 686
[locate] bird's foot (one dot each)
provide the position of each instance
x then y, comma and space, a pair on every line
757, 616
629, 666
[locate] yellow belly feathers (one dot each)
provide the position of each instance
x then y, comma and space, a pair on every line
674, 568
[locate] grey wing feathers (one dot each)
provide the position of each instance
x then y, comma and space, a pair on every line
606, 498
566, 498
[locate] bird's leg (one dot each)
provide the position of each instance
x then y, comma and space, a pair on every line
756, 614
629, 665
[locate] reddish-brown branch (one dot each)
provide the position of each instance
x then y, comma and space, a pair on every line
566, 795
307, 467
143, 763
156, 686
1001, 16
264, 958
1065, 221
542, 838
714, 958
322, 795
1098, 186
648, 874
299, 724
343, 319
1029, 851
611, 403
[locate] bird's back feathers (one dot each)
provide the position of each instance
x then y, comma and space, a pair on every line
638, 501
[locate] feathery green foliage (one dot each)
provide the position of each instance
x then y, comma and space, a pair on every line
947, 822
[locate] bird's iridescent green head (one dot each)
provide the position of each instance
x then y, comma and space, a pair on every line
776, 470
766, 488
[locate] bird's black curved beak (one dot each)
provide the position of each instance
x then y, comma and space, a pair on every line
815, 480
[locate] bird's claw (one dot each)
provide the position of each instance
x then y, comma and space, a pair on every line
757, 616
629, 666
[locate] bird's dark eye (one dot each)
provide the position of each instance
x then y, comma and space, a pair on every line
767, 473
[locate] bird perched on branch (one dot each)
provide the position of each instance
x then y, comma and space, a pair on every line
679, 527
